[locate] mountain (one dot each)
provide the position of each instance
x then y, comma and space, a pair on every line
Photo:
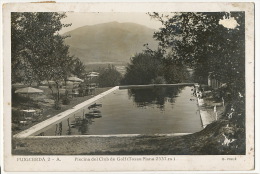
109, 42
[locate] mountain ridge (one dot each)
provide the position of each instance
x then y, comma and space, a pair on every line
109, 42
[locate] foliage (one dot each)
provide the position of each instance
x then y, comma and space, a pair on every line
201, 42
143, 68
109, 77
235, 111
38, 51
57, 105
153, 67
78, 68
158, 80
65, 100
174, 72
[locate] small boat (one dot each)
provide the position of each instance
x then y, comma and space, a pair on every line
95, 105
94, 114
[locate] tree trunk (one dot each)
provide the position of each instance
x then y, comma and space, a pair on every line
58, 91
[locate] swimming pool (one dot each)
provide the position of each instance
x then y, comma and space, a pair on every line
160, 110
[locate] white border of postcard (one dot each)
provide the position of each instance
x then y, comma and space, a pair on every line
181, 163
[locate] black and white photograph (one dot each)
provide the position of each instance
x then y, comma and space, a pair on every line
130, 85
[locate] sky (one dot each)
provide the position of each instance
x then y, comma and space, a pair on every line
78, 19
82, 19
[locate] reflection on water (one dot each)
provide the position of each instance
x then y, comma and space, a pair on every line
154, 96
58, 130
135, 111
81, 124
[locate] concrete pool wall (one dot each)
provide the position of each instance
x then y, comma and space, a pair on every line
155, 85
29, 133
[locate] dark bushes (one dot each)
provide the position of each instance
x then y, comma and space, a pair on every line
109, 77
66, 100
152, 67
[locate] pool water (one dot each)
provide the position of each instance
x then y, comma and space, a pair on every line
161, 110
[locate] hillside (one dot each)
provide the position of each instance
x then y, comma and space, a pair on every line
109, 42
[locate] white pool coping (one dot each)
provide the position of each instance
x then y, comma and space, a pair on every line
57, 118
206, 118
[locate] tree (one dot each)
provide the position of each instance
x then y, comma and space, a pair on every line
153, 67
201, 42
109, 77
174, 72
79, 68
38, 51
143, 68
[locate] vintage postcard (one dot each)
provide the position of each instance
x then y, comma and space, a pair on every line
128, 87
